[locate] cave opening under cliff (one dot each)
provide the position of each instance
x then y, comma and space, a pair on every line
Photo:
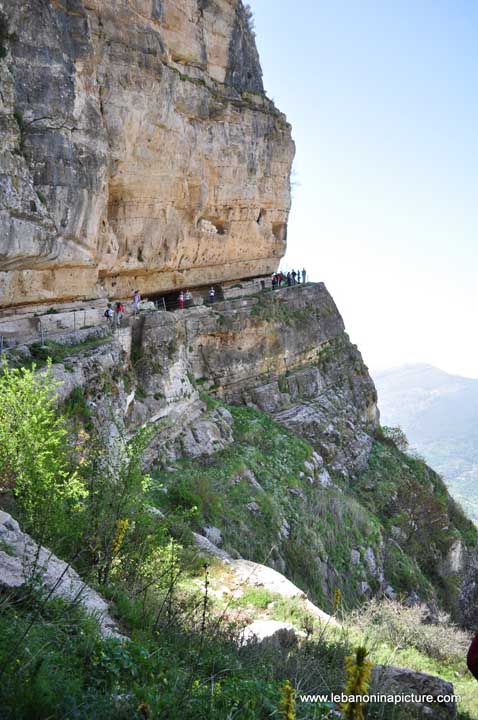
170, 300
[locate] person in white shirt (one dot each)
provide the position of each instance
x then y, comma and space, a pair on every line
136, 301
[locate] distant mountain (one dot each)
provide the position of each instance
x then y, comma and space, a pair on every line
439, 414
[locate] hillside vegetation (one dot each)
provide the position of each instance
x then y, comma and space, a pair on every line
92, 503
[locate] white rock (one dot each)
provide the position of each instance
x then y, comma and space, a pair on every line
390, 593
324, 478
370, 561
253, 507
285, 529
270, 633
213, 534
298, 492
208, 547
317, 459
309, 467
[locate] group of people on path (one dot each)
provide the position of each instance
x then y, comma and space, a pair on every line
115, 314
289, 279
185, 298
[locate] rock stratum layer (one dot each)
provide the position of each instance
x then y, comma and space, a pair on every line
138, 149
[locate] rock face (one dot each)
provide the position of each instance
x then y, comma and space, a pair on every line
286, 353
138, 149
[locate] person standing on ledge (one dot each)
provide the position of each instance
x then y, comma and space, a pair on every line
274, 281
109, 314
293, 275
304, 275
119, 312
188, 298
181, 300
212, 294
136, 301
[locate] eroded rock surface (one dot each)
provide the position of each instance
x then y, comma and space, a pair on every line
138, 149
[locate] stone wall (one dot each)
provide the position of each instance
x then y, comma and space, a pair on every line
138, 149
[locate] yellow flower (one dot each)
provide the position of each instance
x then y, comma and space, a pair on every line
337, 599
287, 703
121, 528
359, 673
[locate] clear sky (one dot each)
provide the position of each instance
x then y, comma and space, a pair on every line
383, 101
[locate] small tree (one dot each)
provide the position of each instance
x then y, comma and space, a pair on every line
34, 455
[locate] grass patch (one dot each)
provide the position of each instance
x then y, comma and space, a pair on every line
58, 352
253, 489
258, 598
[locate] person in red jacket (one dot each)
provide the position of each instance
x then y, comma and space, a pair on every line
472, 657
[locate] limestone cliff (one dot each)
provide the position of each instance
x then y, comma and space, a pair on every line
138, 149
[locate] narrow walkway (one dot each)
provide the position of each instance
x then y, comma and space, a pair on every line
58, 325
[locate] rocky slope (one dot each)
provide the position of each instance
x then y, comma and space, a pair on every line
267, 424
138, 149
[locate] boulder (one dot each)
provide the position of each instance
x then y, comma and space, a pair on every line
436, 696
213, 534
270, 633
253, 507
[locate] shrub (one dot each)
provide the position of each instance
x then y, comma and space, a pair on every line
34, 458
403, 627
76, 405
394, 436
19, 118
